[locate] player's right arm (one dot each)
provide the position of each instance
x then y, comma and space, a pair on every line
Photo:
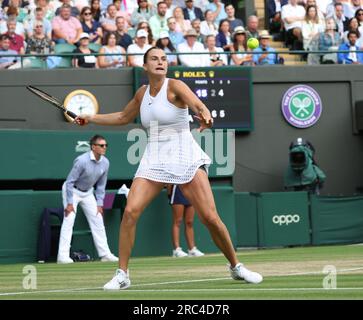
123, 117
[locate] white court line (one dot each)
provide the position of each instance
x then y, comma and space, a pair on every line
193, 281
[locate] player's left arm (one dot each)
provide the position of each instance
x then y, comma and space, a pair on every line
184, 94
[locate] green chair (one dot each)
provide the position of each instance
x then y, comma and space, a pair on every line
66, 61
34, 63
95, 46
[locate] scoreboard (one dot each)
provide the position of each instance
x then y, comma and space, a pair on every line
226, 91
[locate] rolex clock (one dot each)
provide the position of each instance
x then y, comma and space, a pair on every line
80, 102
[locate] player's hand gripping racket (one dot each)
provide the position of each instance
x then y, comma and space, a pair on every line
54, 101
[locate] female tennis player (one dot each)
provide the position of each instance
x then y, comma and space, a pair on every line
171, 156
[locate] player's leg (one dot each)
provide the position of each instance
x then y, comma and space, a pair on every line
200, 195
142, 192
178, 213
188, 223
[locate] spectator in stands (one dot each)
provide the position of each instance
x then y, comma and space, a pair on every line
252, 27
96, 10
329, 40
340, 19
192, 12
150, 37
292, 15
219, 13
354, 6
182, 25
170, 8
208, 26
8, 57
359, 16
49, 11
274, 16
311, 27
353, 25
123, 39
74, 10
108, 22
12, 15
137, 50
18, 7
84, 61
267, 55
158, 22
223, 38
85, 186
196, 26
39, 18
91, 26
16, 40
143, 13
323, 6
351, 57
164, 43
215, 58
176, 37
191, 45
233, 21
39, 42
201, 4
112, 61
240, 45
66, 29
319, 12
120, 12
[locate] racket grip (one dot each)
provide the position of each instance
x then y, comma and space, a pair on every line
74, 116
71, 114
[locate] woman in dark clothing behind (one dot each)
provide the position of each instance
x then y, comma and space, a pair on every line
84, 61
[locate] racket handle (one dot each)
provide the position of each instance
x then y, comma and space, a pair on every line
71, 114
74, 116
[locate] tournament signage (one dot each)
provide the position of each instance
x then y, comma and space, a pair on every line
301, 106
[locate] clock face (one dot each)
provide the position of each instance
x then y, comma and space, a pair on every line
81, 102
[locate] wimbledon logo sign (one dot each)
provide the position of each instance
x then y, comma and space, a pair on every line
301, 106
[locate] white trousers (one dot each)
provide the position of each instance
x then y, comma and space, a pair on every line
95, 220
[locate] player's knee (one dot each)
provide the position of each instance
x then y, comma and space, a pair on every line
211, 219
130, 216
189, 223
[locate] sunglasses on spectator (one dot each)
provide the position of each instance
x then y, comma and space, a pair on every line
39, 26
87, 13
105, 145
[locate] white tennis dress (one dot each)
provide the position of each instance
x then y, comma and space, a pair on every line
171, 155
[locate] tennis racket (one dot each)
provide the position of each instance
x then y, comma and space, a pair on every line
54, 101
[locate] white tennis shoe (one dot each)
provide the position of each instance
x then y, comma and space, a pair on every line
109, 258
195, 252
239, 272
120, 281
179, 253
64, 260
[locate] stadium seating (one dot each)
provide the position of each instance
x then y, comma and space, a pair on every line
64, 48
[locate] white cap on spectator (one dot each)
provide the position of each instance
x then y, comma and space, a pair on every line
84, 35
264, 35
164, 34
141, 33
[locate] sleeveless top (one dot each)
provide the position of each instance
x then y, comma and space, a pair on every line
171, 154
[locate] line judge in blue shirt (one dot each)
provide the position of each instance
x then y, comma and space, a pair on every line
85, 185
268, 55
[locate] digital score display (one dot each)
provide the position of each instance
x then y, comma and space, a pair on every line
226, 91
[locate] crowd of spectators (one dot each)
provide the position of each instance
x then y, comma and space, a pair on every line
115, 33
